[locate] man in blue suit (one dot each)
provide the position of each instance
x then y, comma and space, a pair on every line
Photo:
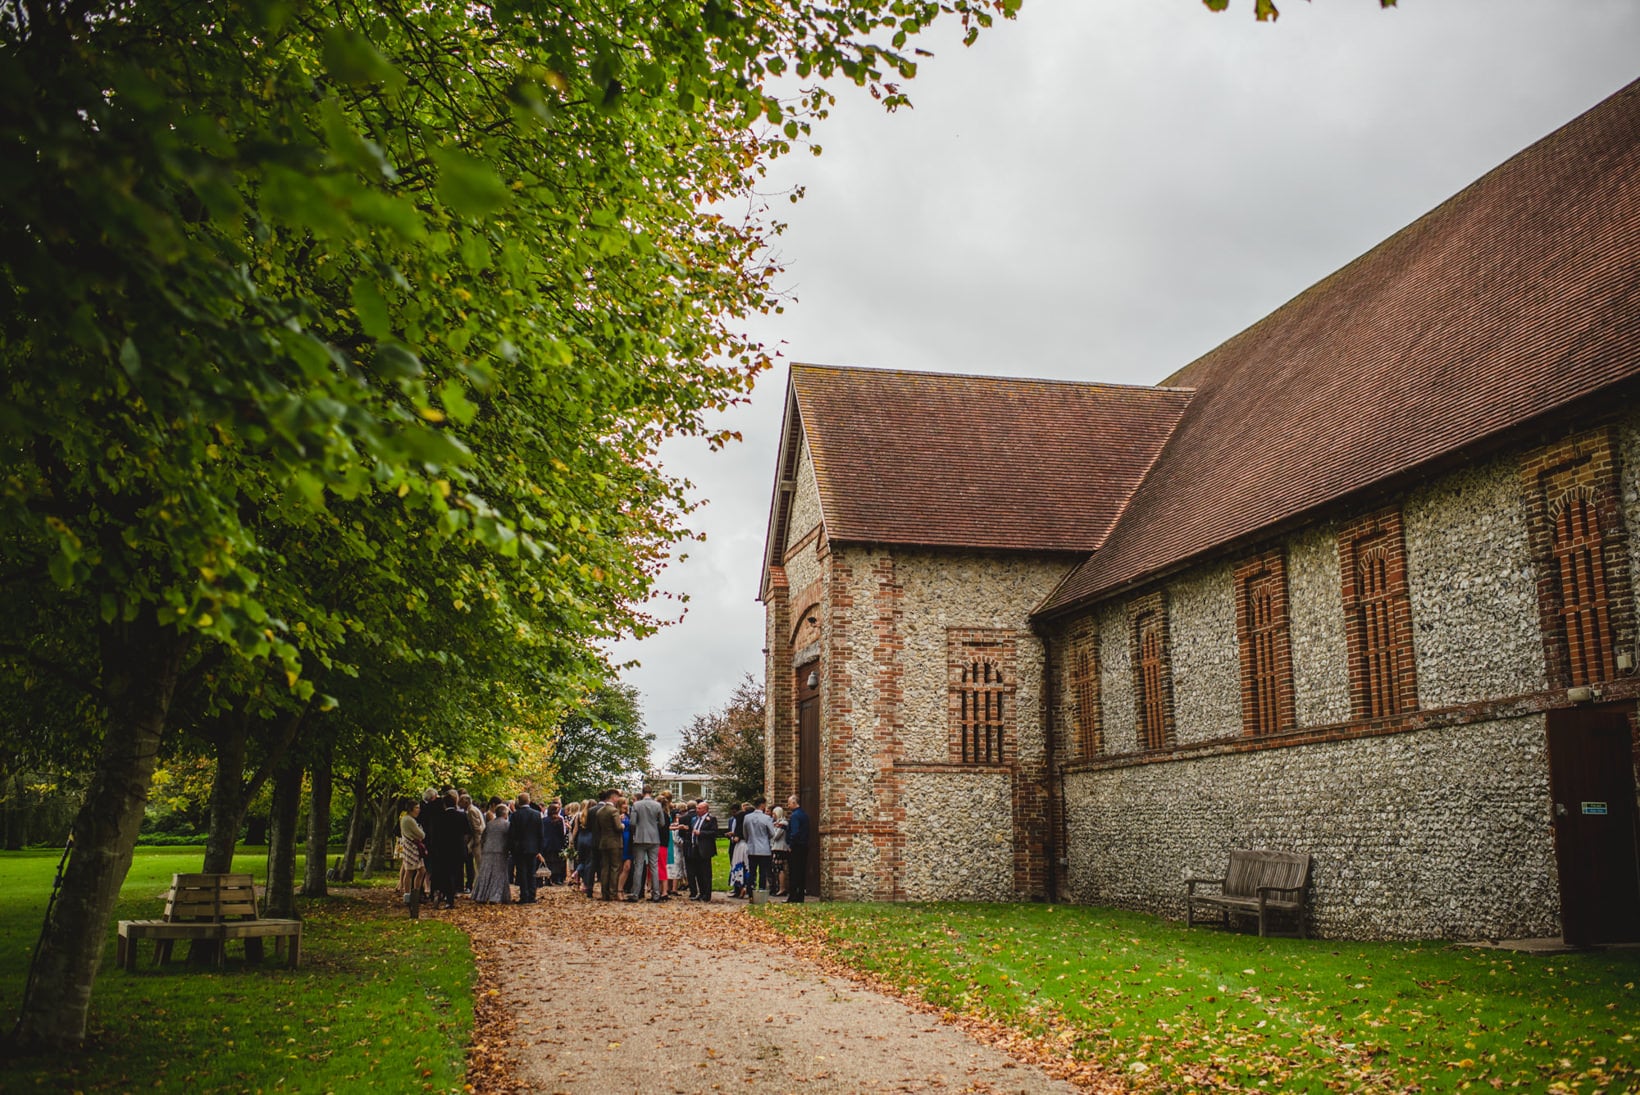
798, 835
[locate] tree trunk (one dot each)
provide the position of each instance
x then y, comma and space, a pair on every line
358, 823
231, 793
228, 798
382, 835
287, 806
140, 664
318, 841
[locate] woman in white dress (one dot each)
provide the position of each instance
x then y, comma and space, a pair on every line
491, 882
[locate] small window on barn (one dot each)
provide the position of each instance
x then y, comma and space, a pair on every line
981, 674
1090, 737
1579, 569
1266, 654
1378, 614
1580, 549
1151, 679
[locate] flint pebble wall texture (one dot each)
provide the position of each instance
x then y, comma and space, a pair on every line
949, 854
1116, 680
1315, 611
805, 511
1431, 834
1201, 608
1476, 631
944, 592
1628, 485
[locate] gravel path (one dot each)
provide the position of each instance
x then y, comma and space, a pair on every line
594, 997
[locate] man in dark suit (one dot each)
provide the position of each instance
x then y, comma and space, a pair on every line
798, 837
552, 844
703, 834
524, 842
446, 844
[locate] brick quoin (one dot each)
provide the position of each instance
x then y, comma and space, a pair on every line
888, 612
835, 824
780, 766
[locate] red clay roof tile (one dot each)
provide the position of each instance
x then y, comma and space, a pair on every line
1513, 298
977, 462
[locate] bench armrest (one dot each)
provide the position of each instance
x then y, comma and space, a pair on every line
1191, 883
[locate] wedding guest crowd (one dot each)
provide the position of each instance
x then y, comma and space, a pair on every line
610, 847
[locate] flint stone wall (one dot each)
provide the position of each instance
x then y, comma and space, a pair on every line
1628, 485
1116, 680
1431, 834
805, 511
948, 857
1315, 620
960, 591
1475, 627
1201, 607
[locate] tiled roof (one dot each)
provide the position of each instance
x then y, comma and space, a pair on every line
934, 459
1513, 298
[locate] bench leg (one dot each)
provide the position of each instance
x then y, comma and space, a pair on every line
253, 951
121, 947
162, 951
295, 950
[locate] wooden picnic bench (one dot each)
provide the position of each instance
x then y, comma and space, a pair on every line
1256, 883
213, 908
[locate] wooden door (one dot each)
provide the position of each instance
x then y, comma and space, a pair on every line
1591, 779
808, 764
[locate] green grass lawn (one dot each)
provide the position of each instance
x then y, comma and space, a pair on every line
380, 1002
1193, 1008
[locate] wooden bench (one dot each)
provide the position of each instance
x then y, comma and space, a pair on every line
1256, 883
213, 908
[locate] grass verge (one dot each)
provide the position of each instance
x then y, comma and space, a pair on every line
1207, 1009
380, 1001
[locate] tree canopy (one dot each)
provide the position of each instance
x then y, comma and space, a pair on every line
728, 742
601, 744
337, 342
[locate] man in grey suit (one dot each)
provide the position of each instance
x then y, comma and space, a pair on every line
648, 823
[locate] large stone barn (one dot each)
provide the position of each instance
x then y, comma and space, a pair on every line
1357, 583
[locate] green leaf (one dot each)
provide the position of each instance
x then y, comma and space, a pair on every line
433, 447
130, 360
395, 362
467, 184
371, 307
351, 59
456, 404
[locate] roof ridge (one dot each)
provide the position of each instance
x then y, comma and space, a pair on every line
888, 370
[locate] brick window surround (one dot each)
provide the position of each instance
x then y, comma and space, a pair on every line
1090, 731
1266, 648
981, 678
1152, 671
1372, 562
1580, 549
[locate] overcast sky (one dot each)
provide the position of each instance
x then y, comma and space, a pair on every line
1105, 190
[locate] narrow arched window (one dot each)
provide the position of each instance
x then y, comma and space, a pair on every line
982, 703
1585, 614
